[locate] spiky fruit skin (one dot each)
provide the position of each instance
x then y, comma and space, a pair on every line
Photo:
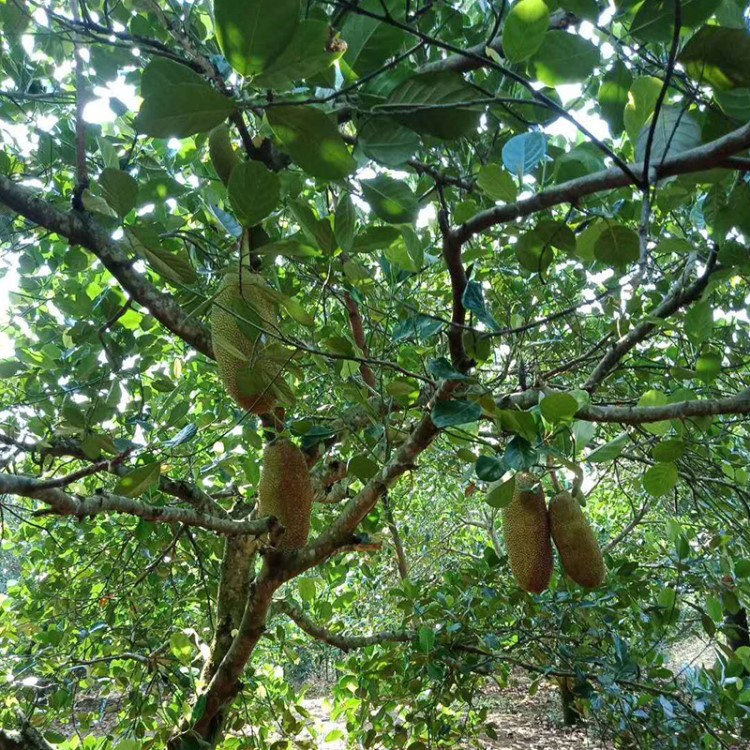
220, 149
285, 491
574, 538
526, 531
236, 352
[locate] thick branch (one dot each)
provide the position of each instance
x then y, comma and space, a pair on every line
680, 297
63, 504
453, 262
358, 332
694, 160
80, 229
340, 531
71, 447
472, 59
738, 404
343, 642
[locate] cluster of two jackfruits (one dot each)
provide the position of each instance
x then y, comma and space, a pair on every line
530, 528
251, 370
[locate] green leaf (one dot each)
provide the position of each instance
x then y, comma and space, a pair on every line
501, 495
522, 153
609, 451
287, 249
617, 245
699, 322
489, 468
252, 33
719, 57
426, 638
120, 190
654, 21
182, 647
344, 223
675, 131
298, 312
370, 42
386, 141
442, 369
306, 55
660, 479
497, 183
525, 28
313, 140
137, 481
708, 365
642, 97
253, 192
422, 103
565, 58
307, 589
668, 450
655, 397
172, 266
558, 407
450, 413
363, 467
375, 238
178, 102
613, 95
391, 200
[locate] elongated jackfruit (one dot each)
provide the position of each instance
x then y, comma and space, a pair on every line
526, 531
222, 153
240, 311
575, 541
285, 491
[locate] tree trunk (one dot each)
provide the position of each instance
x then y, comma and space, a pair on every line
737, 632
571, 714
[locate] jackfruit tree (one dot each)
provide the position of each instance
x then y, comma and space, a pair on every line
309, 310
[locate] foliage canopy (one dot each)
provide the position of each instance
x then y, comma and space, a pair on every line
496, 238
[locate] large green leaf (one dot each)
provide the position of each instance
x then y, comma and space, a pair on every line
524, 29
719, 57
565, 58
386, 141
617, 245
312, 139
613, 95
371, 42
138, 480
450, 413
642, 98
307, 53
252, 33
655, 19
178, 102
660, 479
497, 183
391, 200
675, 131
253, 192
437, 104
119, 188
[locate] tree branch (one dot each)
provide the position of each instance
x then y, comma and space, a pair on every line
343, 642
697, 159
678, 298
737, 404
64, 504
80, 229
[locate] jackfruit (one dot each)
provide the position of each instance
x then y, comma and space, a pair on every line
240, 310
285, 491
575, 541
222, 153
526, 531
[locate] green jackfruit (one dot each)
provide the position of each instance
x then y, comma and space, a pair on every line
526, 531
220, 149
285, 491
238, 343
575, 541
